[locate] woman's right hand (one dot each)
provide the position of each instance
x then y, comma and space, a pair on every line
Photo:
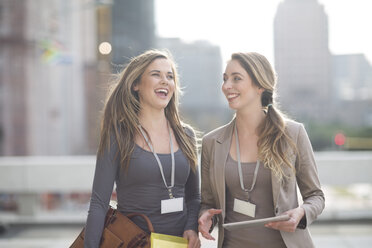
205, 222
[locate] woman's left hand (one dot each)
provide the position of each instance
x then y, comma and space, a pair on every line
295, 215
193, 238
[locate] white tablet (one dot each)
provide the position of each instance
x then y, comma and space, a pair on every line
253, 223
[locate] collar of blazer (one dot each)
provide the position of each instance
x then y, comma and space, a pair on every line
226, 133
222, 149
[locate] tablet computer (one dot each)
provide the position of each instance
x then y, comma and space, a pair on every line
253, 223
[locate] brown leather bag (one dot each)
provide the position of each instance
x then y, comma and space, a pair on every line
120, 231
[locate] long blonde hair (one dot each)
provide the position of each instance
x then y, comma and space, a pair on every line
273, 139
120, 119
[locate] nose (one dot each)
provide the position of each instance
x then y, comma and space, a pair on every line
226, 85
164, 80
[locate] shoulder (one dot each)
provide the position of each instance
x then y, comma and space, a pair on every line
292, 126
219, 133
295, 129
215, 132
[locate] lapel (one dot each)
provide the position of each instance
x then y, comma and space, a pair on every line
222, 149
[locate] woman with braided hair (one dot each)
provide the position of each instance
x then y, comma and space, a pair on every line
251, 167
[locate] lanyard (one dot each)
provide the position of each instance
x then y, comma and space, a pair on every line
159, 163
240, 166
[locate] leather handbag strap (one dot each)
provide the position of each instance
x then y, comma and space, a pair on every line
149, 224
111, 213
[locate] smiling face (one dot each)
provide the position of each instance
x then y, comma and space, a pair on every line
239, 89
156, 86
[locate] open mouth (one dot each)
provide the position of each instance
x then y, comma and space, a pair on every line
232, 96
161, 92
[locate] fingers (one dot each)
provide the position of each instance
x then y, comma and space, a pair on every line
206, 235
197, 243
204, 231
206, 217
194, 243
213, 211
193, 239
290, 225
205, 222
287, 226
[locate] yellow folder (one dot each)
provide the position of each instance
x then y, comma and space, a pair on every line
167, 241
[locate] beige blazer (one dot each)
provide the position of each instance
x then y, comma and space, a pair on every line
215, 149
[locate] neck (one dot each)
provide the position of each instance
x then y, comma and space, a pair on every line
247, 122
152, 119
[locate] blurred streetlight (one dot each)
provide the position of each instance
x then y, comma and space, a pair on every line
105, 48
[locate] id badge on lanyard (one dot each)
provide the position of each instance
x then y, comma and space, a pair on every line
240, 206
244, 207
173, 204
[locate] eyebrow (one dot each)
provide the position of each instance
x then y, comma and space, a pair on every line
234, 73
158, 71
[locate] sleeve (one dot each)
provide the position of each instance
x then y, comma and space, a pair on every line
192, 193
104, 177
207, 199
308, 180
192, 199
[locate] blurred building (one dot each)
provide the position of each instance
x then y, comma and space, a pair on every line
200, 67
302, 59
352, 77
133, 28
352, 84
44, 50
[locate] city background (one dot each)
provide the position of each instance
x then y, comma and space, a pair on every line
58, 57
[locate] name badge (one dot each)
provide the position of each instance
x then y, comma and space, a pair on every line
172, 205
244, 207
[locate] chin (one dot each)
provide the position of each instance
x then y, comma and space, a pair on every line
162, 105
233, 106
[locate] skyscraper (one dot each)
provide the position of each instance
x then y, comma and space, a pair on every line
302, 59
133, 28
352, 86
352, 77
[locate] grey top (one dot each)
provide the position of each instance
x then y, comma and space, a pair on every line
261, 196
141, 190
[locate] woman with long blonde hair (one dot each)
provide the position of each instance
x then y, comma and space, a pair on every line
251, 167
147, 152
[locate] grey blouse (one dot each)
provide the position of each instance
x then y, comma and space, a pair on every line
141, 189
261, 196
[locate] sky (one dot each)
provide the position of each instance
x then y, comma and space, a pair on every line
247, 25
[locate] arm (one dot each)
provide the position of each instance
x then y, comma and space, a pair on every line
308, 179
309, 185
192, 199
207, 218
207, 199
104, 177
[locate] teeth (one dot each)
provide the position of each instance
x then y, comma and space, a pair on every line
229, 96
161, 91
